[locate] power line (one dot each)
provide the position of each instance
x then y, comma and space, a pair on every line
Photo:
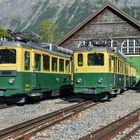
62, 4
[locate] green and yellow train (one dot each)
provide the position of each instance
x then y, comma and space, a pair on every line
30, 69
135, 60
100, 71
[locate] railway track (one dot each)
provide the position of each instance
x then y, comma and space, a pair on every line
112, 130
3, 106
30, 128
131, 133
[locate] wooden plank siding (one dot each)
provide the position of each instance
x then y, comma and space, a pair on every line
106, 22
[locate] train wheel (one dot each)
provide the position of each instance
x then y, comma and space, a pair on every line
108, 97
118, 91
105, 97
55, 93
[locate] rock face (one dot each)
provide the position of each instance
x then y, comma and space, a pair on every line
26, 15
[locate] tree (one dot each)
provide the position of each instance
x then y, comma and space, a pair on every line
46, 29
49, 31
2, 32
58, 35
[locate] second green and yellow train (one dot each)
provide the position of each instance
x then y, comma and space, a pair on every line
100, 71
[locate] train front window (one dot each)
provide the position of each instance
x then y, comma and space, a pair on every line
95, 59
7, 56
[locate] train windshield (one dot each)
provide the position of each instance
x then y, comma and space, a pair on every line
95, 59
7, 56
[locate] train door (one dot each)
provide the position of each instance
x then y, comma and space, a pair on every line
124, 72
114, 63
111, 72
36, 72
78, 67
27, 68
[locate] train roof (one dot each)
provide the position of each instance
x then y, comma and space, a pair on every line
101, 48
46, 47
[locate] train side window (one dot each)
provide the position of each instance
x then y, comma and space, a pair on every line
115, 68
67, 67
27, 60
54, 64
110, 63
122, 67
127, 69
61, 65
37, 62
96, 59
80, 59
118, 66
46, 62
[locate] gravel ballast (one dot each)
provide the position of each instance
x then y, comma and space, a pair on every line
18, 114
93, 118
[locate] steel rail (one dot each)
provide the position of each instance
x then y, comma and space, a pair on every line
4, 106
29, 128
110, 131
131, 133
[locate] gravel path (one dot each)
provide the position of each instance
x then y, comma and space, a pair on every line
93, 118
18, 114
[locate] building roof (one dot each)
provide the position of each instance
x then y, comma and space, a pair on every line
109, 6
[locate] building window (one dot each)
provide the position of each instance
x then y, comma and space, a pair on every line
124, 50
130, 46
137, 43
131, 50
137, 50
131, 42
125, 44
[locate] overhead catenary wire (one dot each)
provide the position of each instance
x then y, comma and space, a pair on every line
62, 4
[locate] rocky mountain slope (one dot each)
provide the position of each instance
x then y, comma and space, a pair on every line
26, 15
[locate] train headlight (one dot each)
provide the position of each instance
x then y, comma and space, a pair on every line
79, 80
11, 81
100, 80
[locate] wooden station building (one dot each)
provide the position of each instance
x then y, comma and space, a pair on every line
112, 23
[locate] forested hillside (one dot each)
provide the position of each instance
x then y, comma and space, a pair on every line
28, 15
